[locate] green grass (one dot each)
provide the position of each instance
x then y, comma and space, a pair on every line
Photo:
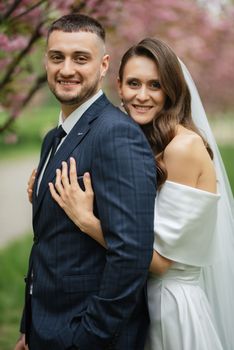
13, 264
227, 153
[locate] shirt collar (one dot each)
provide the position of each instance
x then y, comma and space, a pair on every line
73, 118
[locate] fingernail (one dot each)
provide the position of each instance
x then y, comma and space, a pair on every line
87, 175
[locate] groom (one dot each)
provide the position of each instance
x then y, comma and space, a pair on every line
78, 295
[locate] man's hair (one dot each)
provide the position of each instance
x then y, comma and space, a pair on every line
77, 22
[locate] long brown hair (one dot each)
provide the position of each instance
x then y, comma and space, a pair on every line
177, 107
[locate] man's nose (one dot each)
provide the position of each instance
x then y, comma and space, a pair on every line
142, 94
68, 68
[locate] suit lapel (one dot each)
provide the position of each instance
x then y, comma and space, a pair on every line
76, 135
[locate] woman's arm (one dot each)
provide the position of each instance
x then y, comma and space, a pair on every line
69, 195
159, 264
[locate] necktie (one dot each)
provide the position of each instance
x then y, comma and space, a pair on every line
59, 134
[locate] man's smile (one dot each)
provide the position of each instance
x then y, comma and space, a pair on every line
68, 82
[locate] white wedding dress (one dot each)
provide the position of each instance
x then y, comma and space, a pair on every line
180, 314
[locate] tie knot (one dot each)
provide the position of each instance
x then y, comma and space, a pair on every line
60, 133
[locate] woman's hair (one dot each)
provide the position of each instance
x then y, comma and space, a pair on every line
177, 108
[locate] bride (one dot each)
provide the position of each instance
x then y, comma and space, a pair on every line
191, 273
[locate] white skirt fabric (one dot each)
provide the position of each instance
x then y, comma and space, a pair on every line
180, 315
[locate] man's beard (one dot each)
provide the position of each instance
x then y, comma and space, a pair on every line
81, 97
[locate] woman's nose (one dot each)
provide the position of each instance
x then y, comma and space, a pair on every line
142, 94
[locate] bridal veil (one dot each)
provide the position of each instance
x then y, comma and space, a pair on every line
218, 279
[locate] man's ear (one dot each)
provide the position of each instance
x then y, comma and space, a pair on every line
45, 61
105, 65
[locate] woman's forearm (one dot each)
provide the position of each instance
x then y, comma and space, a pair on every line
92, 227
159, 265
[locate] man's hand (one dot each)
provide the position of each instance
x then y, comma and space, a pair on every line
20, 345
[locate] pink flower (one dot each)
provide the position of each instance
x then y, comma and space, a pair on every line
11, 44
11, 139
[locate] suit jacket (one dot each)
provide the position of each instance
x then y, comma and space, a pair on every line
83, 295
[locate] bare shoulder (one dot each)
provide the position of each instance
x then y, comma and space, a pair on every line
185, 157
185, 146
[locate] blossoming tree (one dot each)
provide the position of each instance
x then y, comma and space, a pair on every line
203, 40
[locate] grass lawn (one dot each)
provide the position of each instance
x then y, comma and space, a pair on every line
13, 265
227, 153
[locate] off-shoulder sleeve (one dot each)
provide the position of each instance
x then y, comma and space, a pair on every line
185, 220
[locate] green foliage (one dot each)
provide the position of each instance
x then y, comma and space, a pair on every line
227, 153
29, 130
13, 265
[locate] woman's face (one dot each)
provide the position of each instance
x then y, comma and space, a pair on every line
140, 89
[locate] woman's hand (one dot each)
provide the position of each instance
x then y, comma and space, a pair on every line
76, 203
31, 182
20, 344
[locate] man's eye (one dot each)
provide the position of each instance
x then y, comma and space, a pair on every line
56, 58
80, 59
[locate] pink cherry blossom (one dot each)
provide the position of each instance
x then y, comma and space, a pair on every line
201, 38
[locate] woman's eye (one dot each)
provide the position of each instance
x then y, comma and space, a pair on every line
133, 83
156, 84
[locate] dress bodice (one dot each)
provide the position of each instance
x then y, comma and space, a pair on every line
185, 220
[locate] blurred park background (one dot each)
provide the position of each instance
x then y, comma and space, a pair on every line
200, 31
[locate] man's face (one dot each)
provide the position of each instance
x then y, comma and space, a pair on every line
75, 64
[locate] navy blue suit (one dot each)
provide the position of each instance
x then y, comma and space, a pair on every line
83, 295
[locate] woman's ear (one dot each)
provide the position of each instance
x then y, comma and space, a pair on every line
119, 84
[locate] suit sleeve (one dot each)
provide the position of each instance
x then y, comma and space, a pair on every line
124, 180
